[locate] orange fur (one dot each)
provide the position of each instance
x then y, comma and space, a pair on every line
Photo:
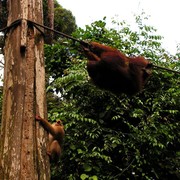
56, 135
112, 70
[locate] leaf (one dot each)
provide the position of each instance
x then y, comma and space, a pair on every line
80, 151
73, 147
87, 167
93, 178
84, 176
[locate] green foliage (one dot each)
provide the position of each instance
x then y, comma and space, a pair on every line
112, 136
3, 13
57, 59
64, 21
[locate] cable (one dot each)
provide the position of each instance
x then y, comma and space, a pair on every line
163, 68
16, 22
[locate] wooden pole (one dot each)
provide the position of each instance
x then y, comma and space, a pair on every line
23, 141
50, 21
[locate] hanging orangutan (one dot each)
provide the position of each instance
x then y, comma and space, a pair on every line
112, 70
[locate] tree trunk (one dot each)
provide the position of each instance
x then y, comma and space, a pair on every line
23, 141
0, 11
49, 34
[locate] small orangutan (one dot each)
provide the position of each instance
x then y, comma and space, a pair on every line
56, 136
112, 70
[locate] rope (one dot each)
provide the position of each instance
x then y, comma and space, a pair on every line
18, 21
166, 69
45, 27
57, 32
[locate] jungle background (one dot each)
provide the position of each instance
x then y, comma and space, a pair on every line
112, 136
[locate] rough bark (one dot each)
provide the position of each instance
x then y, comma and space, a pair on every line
49, 34
23, 141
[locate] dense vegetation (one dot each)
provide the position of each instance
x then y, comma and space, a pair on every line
108, 136
112, 136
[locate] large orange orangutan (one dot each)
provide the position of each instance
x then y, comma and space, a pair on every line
112, 70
